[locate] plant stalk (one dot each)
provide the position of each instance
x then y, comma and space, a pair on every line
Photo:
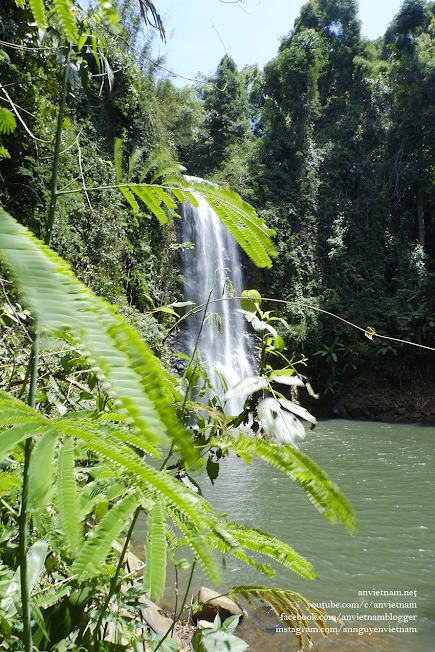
24, 513
115, 578
177, 616
55, 171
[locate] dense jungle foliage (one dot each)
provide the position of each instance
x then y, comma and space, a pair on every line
94, 429
332, 143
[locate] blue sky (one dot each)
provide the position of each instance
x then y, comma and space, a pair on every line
199, 31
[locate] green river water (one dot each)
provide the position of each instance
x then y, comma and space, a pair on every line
387, 472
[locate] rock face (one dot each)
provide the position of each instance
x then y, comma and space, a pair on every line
215, 603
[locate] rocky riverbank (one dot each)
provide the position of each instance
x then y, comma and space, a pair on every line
413, 403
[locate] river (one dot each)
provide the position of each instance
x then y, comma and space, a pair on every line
387, 472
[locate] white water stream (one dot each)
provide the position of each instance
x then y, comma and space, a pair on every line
215, 255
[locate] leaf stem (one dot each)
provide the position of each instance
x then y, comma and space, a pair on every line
177, 616
24, 513
114, 581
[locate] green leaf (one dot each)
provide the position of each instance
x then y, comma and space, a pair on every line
97, 547
217, 640
123, 362
68, 500
247, 386
288, 603
42, 470
67, 19
8, 482
297, 409
323, 493
151, 200
259, 541
212, 469
130, 198
249, 300
252, 234
155, 553
164, 197
38, 11
8, 122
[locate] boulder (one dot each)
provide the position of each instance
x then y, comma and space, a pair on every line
159, 623
214, 603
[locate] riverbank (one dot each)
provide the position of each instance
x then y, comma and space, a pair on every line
412, 403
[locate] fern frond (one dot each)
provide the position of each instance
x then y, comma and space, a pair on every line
12, 436
97, 547
130, 198
164, 197
287, 606
196, 541
125, 364
42, 470
151, 199
323, 493
252, 233
155, 553
217, 543
67, 20
38, 11
67, 497
259, 541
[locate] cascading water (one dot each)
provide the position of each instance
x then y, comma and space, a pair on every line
215, 255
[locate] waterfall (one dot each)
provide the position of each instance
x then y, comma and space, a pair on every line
215, 254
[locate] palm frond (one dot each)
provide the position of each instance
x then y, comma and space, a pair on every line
8, 122
323, 493
155, 553
97, 547
67, 497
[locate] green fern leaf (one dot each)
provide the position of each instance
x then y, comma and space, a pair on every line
130, 198
178, 194
38, 11
67, 496
323, 493
164, 197
155, 554
97, 547
217, 543
8, 122
252, 234
4, 152
286, 603
267, 545
151, 200
42, 470
13, 436
67, 19
198, 544
125, 365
